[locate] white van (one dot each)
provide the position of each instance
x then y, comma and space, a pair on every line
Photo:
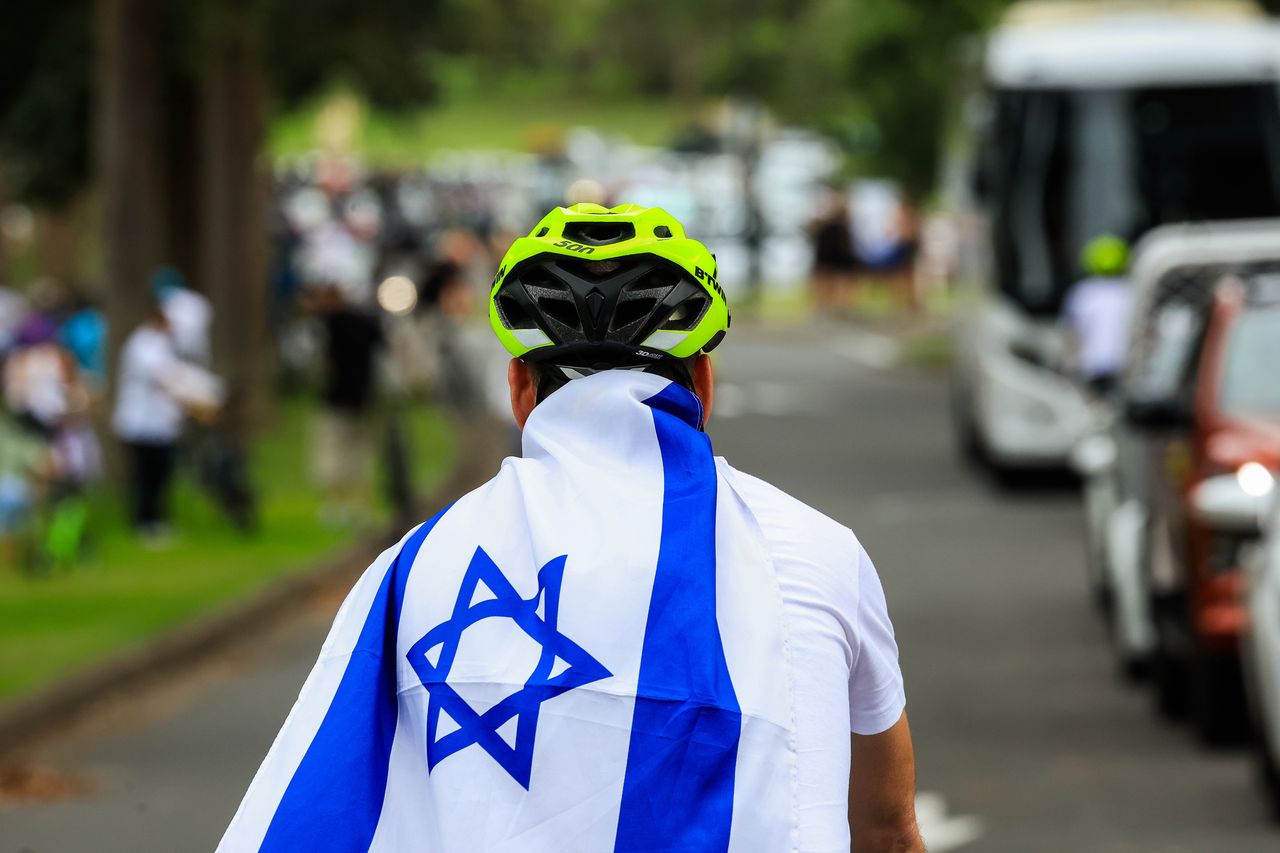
1092, 118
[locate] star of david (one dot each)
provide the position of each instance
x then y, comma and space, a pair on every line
562, 666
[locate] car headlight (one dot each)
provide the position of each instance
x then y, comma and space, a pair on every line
1255, 480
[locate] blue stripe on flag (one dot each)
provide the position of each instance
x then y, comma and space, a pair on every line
678, 790
334, 799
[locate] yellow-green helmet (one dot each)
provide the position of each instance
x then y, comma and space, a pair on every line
597, 287
1106, 255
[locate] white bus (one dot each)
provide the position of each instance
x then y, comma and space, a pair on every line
1092, 118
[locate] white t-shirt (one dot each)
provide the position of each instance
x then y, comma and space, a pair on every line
146, 411
844, 658
1097, 313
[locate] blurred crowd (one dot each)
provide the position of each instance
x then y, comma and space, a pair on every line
53, 347
52, 344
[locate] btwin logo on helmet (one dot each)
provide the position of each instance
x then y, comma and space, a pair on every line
707, 277
576, 247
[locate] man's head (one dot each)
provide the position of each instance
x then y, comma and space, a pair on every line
594, 289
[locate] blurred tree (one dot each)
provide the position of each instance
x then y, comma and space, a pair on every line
45, 54
902, 59
131, 161
44, 99
378, 48
184, 93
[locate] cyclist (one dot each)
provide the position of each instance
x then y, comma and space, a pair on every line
1096, 313
619, 642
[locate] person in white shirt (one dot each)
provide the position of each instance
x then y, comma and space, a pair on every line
620, 642
155, 390
1096, 313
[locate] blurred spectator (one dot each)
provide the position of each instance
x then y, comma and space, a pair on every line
834, 261
332, 256
1096, 313
84, 334
41, 384
902, 260
155, 390
343, 441
45, 392
448, 301
13, 307
24, 465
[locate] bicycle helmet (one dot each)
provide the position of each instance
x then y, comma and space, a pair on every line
594, 288
1106, 255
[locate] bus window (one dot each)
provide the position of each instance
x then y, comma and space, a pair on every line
1072, 164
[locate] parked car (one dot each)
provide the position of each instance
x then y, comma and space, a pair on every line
1254, 499
1226, 444
1141, 460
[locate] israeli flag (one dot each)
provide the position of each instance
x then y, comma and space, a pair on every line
584, 654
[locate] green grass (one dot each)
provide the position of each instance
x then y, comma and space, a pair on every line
503, 121
931, 349
124, 594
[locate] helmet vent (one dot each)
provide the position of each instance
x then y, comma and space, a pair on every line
513, 314
599, 233
632, 311
662, 232
658, 278
563, 311
542, 232
687, 314
601, 268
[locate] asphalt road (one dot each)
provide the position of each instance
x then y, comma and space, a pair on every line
1025, 739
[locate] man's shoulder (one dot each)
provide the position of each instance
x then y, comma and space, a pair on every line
783, 517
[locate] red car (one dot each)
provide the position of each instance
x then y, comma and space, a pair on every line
1194, 557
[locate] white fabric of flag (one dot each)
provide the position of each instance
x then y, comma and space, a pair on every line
587, 653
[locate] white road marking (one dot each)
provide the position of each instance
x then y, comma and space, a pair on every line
941, 831
869, 349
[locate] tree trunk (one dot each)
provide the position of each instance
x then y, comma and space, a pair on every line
184, 148
130, 157
232, 246
130, 166
59, 242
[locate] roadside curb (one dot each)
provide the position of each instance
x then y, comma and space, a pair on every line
482, 441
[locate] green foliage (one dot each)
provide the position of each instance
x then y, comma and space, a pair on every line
876, 73
509, 120
902, 58
47, 73
378, 48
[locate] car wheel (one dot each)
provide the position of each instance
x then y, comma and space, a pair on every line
1132, 668
1169, 682
1269, 776
969, 447
1217, 700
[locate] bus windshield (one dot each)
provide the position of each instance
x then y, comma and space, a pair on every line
1068, 165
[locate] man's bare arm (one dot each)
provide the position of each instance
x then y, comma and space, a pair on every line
882, 792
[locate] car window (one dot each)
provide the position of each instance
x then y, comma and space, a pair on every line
1251, 378
1175, 334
